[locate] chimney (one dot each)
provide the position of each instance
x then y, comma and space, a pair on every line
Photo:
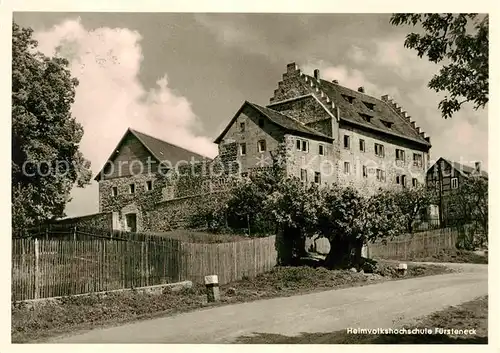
478, 167
316, 74
335, 81
291, 68
361, 89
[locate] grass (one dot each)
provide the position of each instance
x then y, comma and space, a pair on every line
470, 315
454, 255
72, 314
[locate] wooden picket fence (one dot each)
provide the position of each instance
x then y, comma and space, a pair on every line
422, 244
44, 268
230, 261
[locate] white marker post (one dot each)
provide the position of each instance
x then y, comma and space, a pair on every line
212, 284
402, 268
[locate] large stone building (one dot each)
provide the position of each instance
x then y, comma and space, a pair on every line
331, 133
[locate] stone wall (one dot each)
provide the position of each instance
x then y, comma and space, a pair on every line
185, 183
357, 159
172, 214
308, 111
104, 220
311, 161
271, 133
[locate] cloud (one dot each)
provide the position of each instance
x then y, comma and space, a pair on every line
463, 138
347, 77
110, 98
357, 54
390, 52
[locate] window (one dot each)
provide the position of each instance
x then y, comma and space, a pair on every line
149, 185
348, 98
243, 149
261, 122
114, 191
417, 159
131, 188
398, 179
302, 145
379, 150
242, 127
305, 146
386, 123
317, 177
365, 172
366, 117
414, 182
346, 167
380, 175
400, 155
303, 175
347, 142
321, 150
370, 106
454, 183
403, 180
362, 145
261, 145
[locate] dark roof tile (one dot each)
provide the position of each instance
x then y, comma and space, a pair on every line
382, 111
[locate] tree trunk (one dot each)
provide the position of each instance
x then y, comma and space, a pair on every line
284, 247
339, 255
344, 254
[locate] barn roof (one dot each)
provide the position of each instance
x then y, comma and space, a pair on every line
161, 150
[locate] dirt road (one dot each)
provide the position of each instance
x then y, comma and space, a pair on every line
385, 305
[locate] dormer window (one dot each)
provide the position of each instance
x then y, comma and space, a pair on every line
350, 99
366, 117
387, 124
370, 106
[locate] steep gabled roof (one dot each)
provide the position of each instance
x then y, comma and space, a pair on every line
162, 150
382, 115
287, 122
159, 149
277, 118
463, 169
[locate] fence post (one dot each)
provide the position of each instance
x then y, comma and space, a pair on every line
74, 233
37, 269
47, 233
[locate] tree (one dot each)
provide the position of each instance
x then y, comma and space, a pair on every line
294, 208
468, 205
412, 201
461, 42
46, 161
349, 220
245, 206
210, 212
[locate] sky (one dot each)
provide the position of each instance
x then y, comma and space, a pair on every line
182, 77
